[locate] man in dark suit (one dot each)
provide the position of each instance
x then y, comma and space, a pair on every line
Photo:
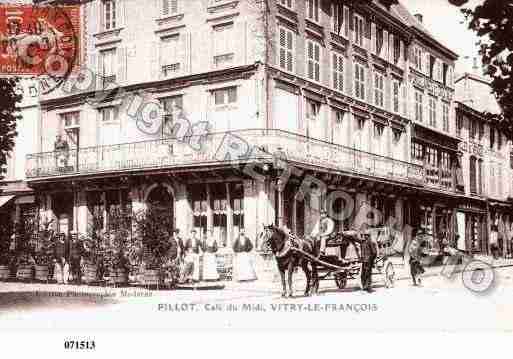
368, 253
76, 251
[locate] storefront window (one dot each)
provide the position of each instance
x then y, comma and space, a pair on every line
199, 208
219, 205
237, 195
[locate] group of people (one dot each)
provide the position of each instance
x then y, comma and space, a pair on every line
196, 257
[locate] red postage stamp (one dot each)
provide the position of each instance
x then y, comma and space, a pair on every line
39, 40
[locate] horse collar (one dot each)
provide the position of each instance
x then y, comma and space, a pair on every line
285, 250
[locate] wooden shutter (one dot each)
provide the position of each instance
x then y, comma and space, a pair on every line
346, 21
122, 64
384, 48
373, 38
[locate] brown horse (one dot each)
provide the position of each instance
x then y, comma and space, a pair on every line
288, 259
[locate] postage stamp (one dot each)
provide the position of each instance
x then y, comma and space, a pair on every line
39, 41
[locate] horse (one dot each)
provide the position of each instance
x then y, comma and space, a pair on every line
287, 259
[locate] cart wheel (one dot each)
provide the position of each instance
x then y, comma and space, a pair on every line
389, 274
341, 280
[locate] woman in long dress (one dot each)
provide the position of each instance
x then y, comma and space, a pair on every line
243, 267
209, 258
193, 251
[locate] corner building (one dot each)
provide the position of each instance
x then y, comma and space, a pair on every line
356, 94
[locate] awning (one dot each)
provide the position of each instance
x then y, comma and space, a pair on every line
5, 199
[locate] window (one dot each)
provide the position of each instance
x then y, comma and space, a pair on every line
312, 10
109, 114
313, 122
397, 49
109, 14
170, 54
313, 109
432, 111
337, 18
459, 124
378, 89
172, 107
287, 3
359, 81
225, 96
473, 129
359, 29
417, 58
169, 7
379, 40
445, 117
473, 175
396, 86
70, 119
481, 131
108, 66
338, 72
223, 45
314, 61
286, 49
378, 130
419, 98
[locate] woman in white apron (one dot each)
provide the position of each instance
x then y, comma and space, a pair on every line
243, 265
209, 258
193, 251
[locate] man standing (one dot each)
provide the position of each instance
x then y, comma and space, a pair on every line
61, 250
75, 256
61, 149
368, 252
322, 230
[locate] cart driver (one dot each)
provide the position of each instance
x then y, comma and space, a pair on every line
322, 231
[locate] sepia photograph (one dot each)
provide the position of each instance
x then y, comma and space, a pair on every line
229, 166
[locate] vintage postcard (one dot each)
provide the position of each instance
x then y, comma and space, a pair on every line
256, 164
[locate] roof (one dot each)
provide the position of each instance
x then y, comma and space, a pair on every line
475, 92
400, 12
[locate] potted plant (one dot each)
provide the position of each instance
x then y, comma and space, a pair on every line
5, 250
92, 269
43, 253
153, 229
117, 245
24, 249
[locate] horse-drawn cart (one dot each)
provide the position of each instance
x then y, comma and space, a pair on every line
347, 265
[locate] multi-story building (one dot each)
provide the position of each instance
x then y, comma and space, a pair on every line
18, 199
487, 211
356, 94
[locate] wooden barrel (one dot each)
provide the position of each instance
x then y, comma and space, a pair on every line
4, 272
152, 277
24, 272
119, 276
41, 273
90, 274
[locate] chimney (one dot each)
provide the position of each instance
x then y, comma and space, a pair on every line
419, 17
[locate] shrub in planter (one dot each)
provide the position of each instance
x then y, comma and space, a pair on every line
24, 251
44, 253
117, 245
153, 230
5, 250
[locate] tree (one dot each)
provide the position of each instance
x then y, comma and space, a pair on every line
9, 114
492, 21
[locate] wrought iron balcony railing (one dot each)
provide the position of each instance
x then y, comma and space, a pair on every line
173, 153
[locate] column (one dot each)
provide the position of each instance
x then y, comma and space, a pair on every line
183, 210
210, 213
281, 203
229, 216
81, 220
250, 210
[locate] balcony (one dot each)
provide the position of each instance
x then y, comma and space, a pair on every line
173, 153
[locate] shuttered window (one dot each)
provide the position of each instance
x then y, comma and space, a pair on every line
337, 18
223, 45
109, 14
379, 88
286, 55
419, 99
170, 55
432, 111
169, 7
287, 3
359, 81
359, 29
396, 86
445, 119
312, 10
338, 72
314, 61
